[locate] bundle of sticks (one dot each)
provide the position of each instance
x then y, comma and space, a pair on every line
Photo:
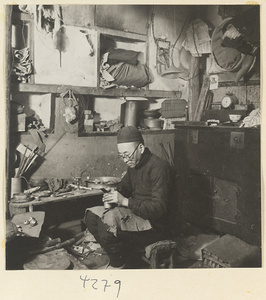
26, 161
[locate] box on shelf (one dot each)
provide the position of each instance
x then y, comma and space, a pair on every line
18, 122
174, 108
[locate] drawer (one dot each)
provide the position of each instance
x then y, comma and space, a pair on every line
224, 200
212, 202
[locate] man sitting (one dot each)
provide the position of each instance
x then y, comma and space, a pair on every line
139, 206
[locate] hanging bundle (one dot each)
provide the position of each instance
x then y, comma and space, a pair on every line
61, 40
71, 106
45, 18
49, 19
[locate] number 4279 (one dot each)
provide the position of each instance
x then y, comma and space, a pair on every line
95, 284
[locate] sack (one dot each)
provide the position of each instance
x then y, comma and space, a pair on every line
120, 55
131, 75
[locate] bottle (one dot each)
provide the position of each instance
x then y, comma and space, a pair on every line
88, 121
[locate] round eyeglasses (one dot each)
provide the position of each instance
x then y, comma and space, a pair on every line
128, 156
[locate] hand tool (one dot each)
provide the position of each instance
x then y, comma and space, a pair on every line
52, 242
57, 246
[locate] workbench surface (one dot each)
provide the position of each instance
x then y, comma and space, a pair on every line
16, 207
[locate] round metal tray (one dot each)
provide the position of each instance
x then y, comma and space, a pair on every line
105, 180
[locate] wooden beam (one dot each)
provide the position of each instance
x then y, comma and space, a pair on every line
193, 87
114, 92
8, 67
98, 57
128, 36
202, 98
240, 83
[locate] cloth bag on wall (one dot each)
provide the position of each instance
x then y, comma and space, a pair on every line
131, 75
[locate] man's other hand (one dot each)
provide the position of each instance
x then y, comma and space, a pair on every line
115, 197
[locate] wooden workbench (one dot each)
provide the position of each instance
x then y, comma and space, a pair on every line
21, 207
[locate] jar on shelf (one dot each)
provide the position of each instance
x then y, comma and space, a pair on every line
88, 121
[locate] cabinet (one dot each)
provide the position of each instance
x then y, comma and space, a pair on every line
219, 180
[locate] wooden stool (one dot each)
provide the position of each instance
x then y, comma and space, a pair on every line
161, 254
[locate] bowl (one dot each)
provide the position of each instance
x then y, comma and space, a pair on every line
152, 113
153, 124
39, 181
235, 118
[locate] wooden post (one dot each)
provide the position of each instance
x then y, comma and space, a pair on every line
202, 98
8, 67
193, 87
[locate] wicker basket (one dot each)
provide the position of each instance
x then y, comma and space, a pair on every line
225, 59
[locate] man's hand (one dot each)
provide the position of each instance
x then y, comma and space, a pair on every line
115, 197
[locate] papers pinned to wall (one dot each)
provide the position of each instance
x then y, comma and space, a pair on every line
214, 82
78, 64
198, 40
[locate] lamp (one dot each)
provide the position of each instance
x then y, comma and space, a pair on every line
173, 72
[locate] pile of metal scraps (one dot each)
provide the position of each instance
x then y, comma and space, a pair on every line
89, 252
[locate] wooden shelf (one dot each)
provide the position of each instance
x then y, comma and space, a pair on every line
110, 133
189, 125
123, 35
114, 92
97, 133
240, 83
